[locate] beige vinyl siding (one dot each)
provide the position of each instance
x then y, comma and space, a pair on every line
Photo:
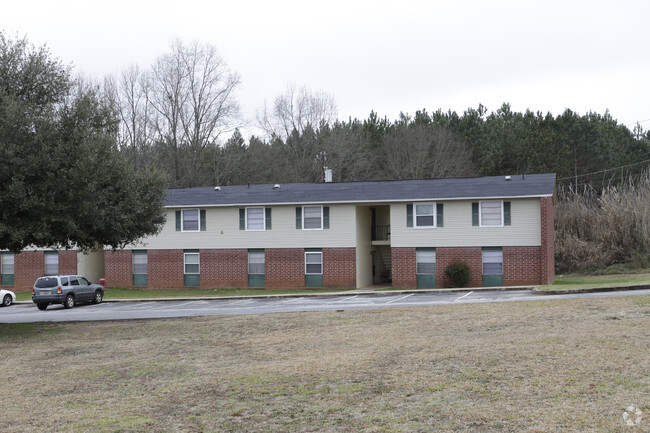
459, 232
222, 231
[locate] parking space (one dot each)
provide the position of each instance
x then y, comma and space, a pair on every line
23, 313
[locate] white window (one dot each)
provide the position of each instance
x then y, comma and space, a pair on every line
191, 220
425, 215
192, 263
313, 263
425, 262
139, 262
491, 213
492, 262
51, 263
312, 217
7, 264
256, 262
255, 218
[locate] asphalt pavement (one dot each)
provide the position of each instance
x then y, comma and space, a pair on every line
157, 309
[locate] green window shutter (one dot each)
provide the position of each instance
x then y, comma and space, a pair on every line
242, 219
475, 213
299, 218
409, 215
439, 215
506, 213
178, 221
267, 216
326, 217
202, 213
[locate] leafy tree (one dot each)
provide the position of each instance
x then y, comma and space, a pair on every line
63, 181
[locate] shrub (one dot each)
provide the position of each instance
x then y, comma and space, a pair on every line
458, 274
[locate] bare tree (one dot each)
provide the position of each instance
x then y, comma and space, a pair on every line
192, 95
296, 109
130, 93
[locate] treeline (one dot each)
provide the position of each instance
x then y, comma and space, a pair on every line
180, 114
590, 149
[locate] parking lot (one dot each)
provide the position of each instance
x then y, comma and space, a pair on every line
123, 310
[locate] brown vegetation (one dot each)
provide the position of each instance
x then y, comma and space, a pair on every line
594, 231
570, 366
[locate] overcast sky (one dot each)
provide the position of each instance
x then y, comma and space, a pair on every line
387, 56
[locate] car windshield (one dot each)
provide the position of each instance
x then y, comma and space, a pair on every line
45, 282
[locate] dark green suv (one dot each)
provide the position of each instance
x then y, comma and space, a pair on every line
66, 290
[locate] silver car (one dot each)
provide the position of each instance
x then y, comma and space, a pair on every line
66, 290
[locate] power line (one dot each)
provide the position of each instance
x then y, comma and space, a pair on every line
605, 171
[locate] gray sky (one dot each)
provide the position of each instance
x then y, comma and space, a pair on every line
387, 56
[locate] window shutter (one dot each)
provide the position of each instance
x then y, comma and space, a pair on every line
439, 215
326, 217
506, 213
242, 219
178, 221
267, 215
475, 213
202, 213
409, 215
299, 218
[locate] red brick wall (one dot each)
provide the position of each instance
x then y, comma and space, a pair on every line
67, 262
403, 264
165, 268
118, 268
285, 268
472, 256
339, 268
224, 268
547, 254
29, 265
521, 266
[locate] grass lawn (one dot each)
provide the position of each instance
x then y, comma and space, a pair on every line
552, 365
123, 293
578, 281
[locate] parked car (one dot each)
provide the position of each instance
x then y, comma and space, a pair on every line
8, 297
65, 289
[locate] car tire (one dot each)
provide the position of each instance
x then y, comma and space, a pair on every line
68, 302
41, 306
99, 296
7, 300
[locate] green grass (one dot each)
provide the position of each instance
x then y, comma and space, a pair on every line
124, 293
581, 281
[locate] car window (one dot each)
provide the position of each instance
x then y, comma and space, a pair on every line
73, 281
83, 281
65, 281
45, 282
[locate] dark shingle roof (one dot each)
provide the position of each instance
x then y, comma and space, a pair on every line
530, 185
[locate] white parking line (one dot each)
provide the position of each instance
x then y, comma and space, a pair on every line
399, 299
345, 299
291, 301
465, 295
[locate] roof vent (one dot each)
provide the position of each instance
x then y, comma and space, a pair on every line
276, 186
217, 188
508, 178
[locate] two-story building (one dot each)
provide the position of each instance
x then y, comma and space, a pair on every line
334, 235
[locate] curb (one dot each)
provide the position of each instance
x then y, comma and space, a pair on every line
536, 290
354, 292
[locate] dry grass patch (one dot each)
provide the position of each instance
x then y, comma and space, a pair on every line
570, 366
